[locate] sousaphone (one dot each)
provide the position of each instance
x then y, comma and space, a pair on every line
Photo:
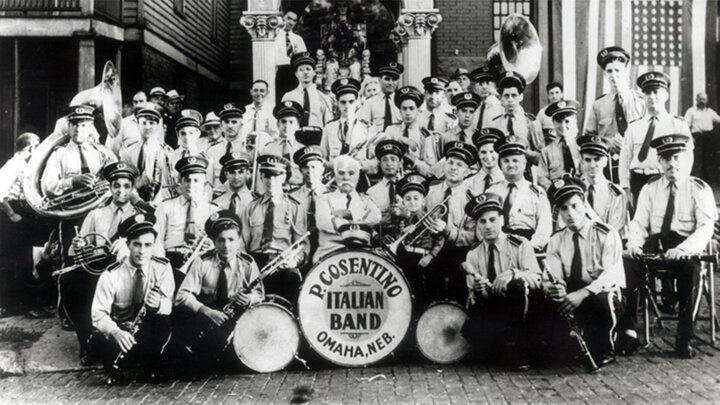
106, 96
518, 49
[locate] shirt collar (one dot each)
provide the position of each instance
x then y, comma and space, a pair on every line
585, 230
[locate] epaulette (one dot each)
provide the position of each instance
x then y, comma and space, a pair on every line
113, 266
535, 189
207, 254
600, 96
246, 257
169, 198
498, 117
451, 116
602, 227
615, 189
425, 132
530, 116
434, 182
700, 182
336, 119
636, 119
255, 195
515, 240
159, 259
654, 178
679, 117
559, 230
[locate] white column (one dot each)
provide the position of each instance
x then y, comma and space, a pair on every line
262, 25
415, 28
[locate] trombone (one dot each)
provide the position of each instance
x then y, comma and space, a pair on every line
418, 230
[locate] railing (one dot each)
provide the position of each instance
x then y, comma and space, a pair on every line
39, 5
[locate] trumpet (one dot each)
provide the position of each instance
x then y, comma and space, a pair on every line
418, 229
196, 250
273, 265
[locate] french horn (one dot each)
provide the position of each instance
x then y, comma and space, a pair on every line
518, 49
75, 204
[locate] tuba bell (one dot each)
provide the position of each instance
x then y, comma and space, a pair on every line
105, 95
518, 49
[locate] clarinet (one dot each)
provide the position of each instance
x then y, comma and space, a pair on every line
575, 330
133, 327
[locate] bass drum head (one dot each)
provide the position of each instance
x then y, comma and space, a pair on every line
438, 333
266, 337
354, 307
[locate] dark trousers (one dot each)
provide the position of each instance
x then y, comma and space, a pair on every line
201, 346
702, 154
77, 289
151, 338
637, 181
176, 261
504, 320
285, 282
415, 276
687, 274
445, 279
285, 81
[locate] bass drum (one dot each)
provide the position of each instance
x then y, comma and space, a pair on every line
354, 307
438, 333
267, 337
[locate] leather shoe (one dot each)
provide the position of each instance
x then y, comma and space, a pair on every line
684, 351
65, 324
627, 345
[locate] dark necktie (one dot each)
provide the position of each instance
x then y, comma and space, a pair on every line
190, 223
491, 262
84, 168
138, 289
591, 196
387, 119
488, 182
646, 142
431, 122
286, 148
289, 50
508, 203
228, 147
255, 118
620, 118
510, 130
234, 202
306, 108
221, 289
669, 211
480, 118
141, 158
462, 137
311, 211
568, 165
268, 225
576, 265
349, 200
448, 193
391, 192
406, 132
344, 138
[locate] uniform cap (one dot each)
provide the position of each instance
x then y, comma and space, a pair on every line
307, 154
482, 203
510, 145
346, 85
567, 186
653, 80
483, 73
188, 118
460, 72
149, 110
466, 99
157, 91
220, 221
137, 225
393, 69
120, 170
610, 53
231, 110
487, 135
273, 164
389, 147
512, 79
670, 144
463, 151
409, 93
562, 107
302, 58
434, 83
287, 108
413, 182
211, 120
191, 165
593, 145
82, 112
355, 234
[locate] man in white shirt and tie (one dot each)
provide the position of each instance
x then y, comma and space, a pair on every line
316, 106
287, 44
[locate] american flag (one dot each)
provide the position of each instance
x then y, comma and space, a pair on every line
674, 36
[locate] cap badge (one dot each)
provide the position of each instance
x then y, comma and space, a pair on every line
393, 64
552, 131
562, 104
485, 131
307, 150
481, 198
667, 139
236, 154
121, 165
214, 216
433, 80
509, 74
83, 110
185, 113
139, 218
559, 183
228, 106
288, 104
649, 76
405, 90
603, 53
460, 145
343, 81
467, 96
511, 138
595, 139
273, 160
192, 159
354, 227
306, 54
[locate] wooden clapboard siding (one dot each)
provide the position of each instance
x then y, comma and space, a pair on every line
130, 12
191, 32
240, 75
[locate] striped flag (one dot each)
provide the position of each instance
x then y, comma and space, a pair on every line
662, 35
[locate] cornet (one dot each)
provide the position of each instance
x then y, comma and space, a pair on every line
418, 230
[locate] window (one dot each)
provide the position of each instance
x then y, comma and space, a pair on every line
179, 6
503, 8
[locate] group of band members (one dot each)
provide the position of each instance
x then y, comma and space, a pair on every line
519, 222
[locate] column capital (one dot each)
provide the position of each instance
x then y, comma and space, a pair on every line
262, 24
417, 23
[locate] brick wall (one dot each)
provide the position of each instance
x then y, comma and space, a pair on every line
464, 36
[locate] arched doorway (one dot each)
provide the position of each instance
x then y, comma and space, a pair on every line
375, 17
